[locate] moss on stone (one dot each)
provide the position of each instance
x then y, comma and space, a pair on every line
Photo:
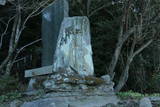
90, 80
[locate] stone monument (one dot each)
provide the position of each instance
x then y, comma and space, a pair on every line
52, 17
74, 50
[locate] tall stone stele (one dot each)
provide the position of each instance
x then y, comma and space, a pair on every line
52, 18
73, 51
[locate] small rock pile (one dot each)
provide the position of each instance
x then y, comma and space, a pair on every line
70, 81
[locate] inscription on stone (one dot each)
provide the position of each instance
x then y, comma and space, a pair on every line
74, 47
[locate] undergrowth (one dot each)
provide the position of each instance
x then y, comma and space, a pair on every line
135, 95
10, 96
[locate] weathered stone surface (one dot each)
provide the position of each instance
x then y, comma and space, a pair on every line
15, 103
52, 17
66, 77
94, 101
83, 87
39, 71
40, 103
110, 105
35, 83
49, 84
127, 103
155, 101
72, 101
68, 81
106, 88
2, 2
145, 102
73, 49
31, 83
106, 78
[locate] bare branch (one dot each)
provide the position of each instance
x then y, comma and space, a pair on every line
37, 13
36, 10
98, 9
5, 31
142, 47
121, 40
26, 46
32, 14
128, 34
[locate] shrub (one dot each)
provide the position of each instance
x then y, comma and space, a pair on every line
8, 83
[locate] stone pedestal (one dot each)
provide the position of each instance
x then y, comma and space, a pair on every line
68, 89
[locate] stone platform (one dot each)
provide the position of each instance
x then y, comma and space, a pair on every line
66, 88
73, 99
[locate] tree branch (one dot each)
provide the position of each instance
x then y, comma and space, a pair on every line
5, 31
26, 47
98, 9
142, 47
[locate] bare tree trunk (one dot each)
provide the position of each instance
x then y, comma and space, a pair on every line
124, 76
115, 59
121, 40
14, 41
11, 48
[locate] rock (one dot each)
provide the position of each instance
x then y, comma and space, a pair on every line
31, 84
72, 81
49, 84
73, 50
106, 88
83, 87
72, 101
48, 102
94, 101
132, 103
155, 100
52, 17
128, 103
35, 81
15, 103
93, 81
65, 86
145, 102
61, 77
110, 105
106, 78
